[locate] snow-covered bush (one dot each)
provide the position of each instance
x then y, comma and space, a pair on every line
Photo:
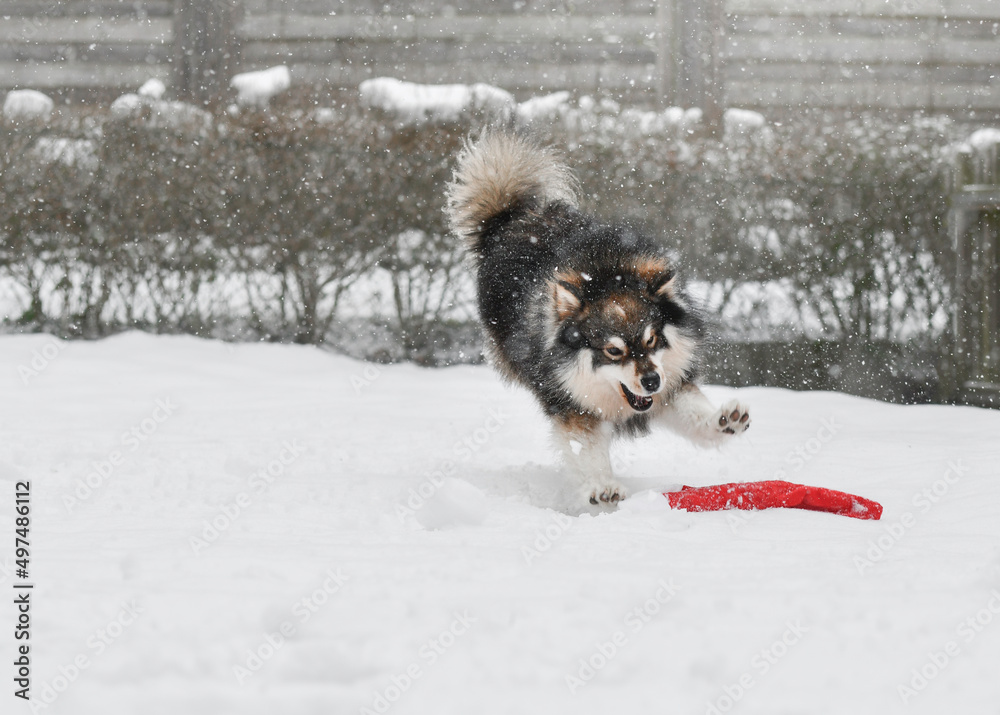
253, 224
111, 236
257, 89
293, 218
412, 103
846, 214
425, 266
27, 104
265, 223
869, 255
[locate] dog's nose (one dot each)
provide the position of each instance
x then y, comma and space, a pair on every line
651, 382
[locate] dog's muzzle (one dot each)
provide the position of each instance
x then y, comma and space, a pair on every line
639, 403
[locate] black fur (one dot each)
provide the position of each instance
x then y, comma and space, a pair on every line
515, 270
586, 314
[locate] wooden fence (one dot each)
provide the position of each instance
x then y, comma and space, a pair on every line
974, 223
893, 54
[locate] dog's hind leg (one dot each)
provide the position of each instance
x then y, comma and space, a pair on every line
690, 414
585, 442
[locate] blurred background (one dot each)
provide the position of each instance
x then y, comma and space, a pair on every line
826, 171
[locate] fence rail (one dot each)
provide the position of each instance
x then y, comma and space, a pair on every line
896, 54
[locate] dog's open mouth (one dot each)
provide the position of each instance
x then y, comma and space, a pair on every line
638, 403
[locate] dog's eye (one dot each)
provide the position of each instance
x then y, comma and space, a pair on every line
614, 352
652, 341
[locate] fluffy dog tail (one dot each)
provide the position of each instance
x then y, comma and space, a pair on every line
499, 176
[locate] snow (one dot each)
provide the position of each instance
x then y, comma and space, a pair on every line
153, 88
128, 104
159, 113
27, 104
543, 107
272, 527
453, 503
324, 115
256, 89
71, 152
414, 103
763, 310
984, 139
742, 122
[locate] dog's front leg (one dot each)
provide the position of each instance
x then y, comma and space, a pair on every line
585, 442
690, 414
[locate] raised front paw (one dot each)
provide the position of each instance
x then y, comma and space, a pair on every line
733, 418
605, 493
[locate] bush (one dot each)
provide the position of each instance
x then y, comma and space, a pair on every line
257, 225
251, 226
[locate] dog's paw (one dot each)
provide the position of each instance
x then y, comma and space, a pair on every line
606, 493
732, 418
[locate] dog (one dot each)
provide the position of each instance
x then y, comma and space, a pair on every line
589, 315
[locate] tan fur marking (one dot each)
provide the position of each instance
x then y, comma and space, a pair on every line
576, 422
649, 268
564, 300
568, 276
667, 289
622, 308
652, 269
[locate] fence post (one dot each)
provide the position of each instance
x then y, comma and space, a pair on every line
713, 98
666, 51
974, 224
699, 38
206, 51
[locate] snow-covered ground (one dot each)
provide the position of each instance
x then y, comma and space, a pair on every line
280, 529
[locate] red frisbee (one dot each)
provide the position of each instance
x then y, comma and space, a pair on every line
773, 494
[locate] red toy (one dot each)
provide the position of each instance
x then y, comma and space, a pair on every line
770, 494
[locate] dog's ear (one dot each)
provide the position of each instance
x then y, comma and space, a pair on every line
567, 298
662, 285
655, 270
